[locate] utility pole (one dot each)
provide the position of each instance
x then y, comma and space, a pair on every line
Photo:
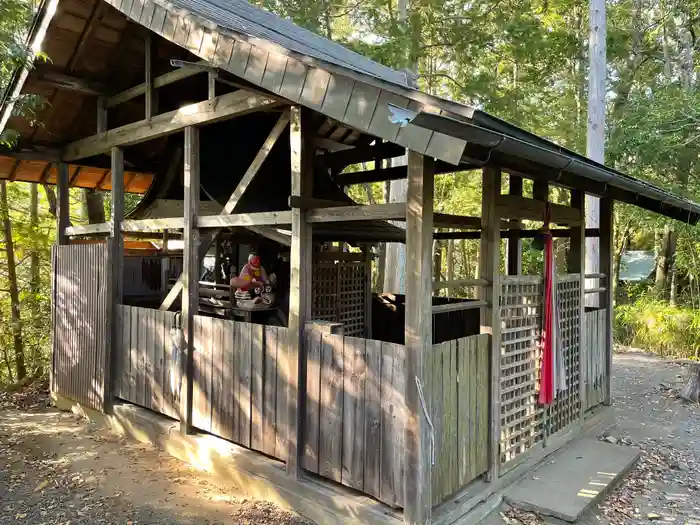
595, 136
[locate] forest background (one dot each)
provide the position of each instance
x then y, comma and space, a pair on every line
525, 61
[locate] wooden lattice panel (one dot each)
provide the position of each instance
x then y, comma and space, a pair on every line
352, 297
339, 294
325, 291
521, 321
566, 407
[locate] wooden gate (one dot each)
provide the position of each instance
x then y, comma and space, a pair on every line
81, 323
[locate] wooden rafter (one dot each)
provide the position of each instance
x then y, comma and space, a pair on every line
205, 112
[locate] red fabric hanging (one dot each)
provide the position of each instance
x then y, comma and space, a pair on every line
546, 395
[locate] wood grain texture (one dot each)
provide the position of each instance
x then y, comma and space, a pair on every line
354, 378
331, 407
373, 417
312, 422
418, 337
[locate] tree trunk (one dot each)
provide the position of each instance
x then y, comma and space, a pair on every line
617, 260
595, 136
662, 263
16, 321
51, 198
94, 207
34, 277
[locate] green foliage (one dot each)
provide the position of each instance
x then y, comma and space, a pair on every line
655, 326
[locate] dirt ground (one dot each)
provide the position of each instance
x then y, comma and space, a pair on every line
664, 486
56, 469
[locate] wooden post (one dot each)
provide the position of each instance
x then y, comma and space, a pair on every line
576, 263
190, 289
300, 137
62, 204
165, 264
450, 266
211, 85
489, 270
368, 291
150, 92
419, 339
116, 254
606, 300
514, 254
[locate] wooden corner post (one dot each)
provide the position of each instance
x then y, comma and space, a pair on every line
490, 270
190, 289
62, 204
419, 339
576, 263
116, 254
300, 137
606, 300
514, 265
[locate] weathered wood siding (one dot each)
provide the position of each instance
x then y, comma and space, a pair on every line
594, 356
81, 324
239, 384
355, 414
149, 365
460, 413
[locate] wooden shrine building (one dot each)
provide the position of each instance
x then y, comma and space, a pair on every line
241, 130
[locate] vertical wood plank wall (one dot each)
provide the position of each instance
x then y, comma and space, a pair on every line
595, 365
355, 413
240, 389
149, 367
80, 321
238, 383
460, 413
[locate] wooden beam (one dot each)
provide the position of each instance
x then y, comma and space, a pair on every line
557, 233
62, 204
514, 251
383, 174
395, 211
381, 150
446, 220
458, 307
116, 254
268, 218
211, 85
607, 299
311, 203
331, 145
88, 229
175, 75
147, 225
48, 155
190, 291
490, 270
514, 207
206, 112
418, 339
70, 83
301, 149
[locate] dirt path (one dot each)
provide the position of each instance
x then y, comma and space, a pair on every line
56, 469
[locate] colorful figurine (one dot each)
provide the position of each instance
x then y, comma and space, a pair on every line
251, 284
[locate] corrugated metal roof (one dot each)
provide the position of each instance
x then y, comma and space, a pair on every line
241, 17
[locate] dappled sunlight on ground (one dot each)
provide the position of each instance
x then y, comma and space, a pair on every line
58, 468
